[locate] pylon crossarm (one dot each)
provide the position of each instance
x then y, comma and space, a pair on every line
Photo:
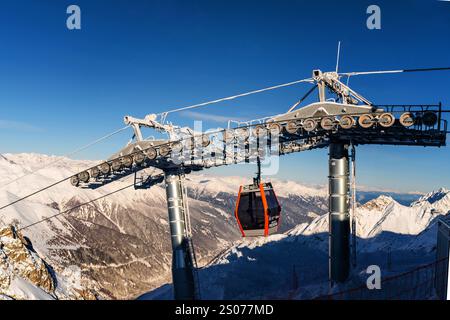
309, 128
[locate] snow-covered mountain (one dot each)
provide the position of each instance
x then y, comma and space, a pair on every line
119, 246
294, 265
121, 243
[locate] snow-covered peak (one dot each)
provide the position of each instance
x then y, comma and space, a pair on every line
433, 198
20, 265
33, 157
436, 202
34, 161
288, 188
202, 183
378, 204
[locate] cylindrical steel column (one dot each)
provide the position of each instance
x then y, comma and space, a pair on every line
339, 217
182, 266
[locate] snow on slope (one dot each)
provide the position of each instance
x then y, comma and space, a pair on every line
294, 264
24, 290
117, 241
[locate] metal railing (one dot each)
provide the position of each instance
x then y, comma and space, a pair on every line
416, 284
418, 110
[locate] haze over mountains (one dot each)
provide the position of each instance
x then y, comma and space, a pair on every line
121, 246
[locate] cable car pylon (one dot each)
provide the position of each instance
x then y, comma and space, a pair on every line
346, 119
338, 213
183, 264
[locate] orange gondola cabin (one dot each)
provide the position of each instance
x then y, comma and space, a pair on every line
257, 210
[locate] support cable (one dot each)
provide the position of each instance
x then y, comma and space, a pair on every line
233, 97
165, 114
303, 98
392, 71
33, 193
67, 155
75, 207
79, 206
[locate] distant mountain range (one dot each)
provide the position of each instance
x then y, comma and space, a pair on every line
121, 246
121, 243
402, 198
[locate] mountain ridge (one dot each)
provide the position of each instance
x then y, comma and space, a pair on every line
121, 243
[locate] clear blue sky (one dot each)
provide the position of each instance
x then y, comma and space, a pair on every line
61, 89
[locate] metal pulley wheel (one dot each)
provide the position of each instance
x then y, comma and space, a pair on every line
75, 181
203, 140
84, 176
104, 168
151, 153
259, 131
429, 118
139, 158
365, 121
228, 135
242, 133
164, 150
291, 127
309, 124
95, 172
327, 123
386, 120
275, 129
127, 161
116, 165
347, 122
407, 119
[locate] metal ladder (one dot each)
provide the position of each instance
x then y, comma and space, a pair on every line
190, 244
353, 206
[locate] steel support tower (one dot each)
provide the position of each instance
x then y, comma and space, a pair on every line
339, 216
318, 125
182, 264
